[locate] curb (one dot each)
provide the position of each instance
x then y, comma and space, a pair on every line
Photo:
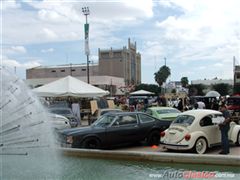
228, 160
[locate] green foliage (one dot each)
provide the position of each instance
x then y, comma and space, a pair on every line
236, 89
196, 89
184, 82
173, 91
162, 74
222, 88
149, 87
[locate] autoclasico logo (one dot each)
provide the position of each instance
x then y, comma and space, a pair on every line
192, 174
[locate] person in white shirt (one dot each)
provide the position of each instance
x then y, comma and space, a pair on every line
76, 111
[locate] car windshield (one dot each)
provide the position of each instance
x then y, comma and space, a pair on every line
167, 111
184, 120
61, 111
104, 121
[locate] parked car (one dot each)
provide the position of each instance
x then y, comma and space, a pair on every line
233, 106
195, 130
59, 122
114, 129
66, 112
163, 113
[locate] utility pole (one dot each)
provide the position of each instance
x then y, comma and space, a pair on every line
86, 12
165, 61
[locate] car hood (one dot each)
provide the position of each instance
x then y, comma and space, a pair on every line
175, 133
81, 130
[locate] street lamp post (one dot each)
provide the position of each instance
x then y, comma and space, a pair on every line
86, 12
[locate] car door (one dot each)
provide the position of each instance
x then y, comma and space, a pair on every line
146, 125
211, 130
125, 129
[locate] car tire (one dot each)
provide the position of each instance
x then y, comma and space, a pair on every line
200, 145
91, 143
153, 138
238, 139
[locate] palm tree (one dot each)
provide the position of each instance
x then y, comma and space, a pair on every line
184, 82
162, 74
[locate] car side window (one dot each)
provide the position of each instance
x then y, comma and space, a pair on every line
206, 121
145, 119
126, 120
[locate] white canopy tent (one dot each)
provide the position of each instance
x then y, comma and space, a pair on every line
69, 86
141, 92
213, 94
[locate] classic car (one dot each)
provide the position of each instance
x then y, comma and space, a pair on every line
114, 129
195, 130
66, 112
163, 113
58, 121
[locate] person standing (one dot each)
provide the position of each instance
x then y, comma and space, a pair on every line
76, 111
224, 128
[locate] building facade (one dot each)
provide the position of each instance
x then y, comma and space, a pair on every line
59, 71
125, 63
213, 81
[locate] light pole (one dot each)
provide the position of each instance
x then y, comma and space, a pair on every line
86, 12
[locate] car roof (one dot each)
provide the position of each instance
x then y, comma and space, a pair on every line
200, 112
109, 109
158, 107
125, 113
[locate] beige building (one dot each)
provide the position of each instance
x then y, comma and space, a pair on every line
125, 63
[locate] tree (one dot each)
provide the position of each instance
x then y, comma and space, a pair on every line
184, 82
162, 74
149, 87
222, 88
196, 89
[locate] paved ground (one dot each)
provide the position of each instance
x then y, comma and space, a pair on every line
234, 150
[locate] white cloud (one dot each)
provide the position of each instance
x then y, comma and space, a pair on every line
50, 34
14, 63
14, 50
9, 4
49, 50
54, 21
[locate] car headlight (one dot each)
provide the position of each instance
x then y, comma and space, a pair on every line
69, 139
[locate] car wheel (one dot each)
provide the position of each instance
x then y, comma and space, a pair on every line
91, 143
153, 138
238, 139
200, 146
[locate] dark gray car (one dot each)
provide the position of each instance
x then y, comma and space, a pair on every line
115, 129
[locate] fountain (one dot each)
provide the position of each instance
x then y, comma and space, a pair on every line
27, 146
26, 138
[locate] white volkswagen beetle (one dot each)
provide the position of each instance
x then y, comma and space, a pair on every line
195, 130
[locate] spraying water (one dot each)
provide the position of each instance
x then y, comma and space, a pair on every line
26, 139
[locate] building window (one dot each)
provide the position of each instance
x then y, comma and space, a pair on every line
53, 70
73, 70
63, 70
83, 69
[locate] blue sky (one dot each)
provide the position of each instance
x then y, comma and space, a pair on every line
198, 37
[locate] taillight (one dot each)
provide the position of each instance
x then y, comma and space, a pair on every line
69, 139
162, 134
187, 137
